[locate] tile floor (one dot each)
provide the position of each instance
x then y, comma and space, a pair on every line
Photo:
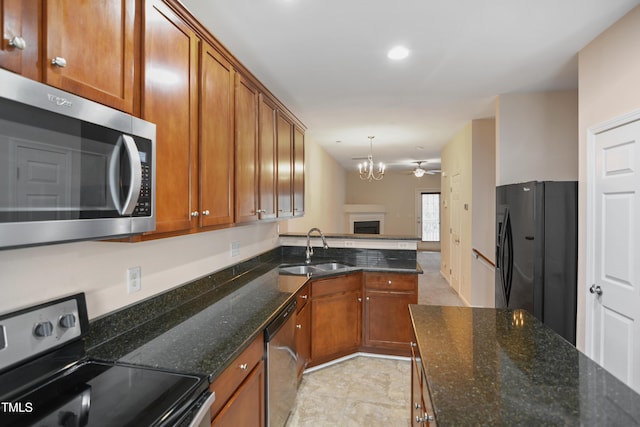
364, 390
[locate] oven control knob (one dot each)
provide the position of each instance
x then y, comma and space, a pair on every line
68, 321
43, 329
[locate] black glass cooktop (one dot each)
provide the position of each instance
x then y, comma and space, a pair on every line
100, 394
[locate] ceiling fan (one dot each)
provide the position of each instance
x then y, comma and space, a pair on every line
419, 172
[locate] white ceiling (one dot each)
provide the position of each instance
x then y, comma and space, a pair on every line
326, 60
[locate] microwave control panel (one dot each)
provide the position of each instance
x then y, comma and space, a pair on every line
143, 208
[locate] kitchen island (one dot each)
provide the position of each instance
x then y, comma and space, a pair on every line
504, 367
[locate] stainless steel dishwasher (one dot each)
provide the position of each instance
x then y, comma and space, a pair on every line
281, 381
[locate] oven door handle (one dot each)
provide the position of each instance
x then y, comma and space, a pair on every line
203, 411
135, 172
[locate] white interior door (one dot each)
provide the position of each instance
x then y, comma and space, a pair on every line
613, 297
456, 267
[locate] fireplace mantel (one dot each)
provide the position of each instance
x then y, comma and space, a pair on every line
356, 213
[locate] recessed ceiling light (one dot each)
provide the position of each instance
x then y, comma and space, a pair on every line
398, 52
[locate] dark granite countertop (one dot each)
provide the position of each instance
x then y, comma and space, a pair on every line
202, 326
503, 367
205, 334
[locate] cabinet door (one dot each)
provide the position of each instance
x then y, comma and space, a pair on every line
246, 150
298, 172
20, 29
170, 100
216, 138
247, 406
94, 42
417, 406
267, 158
387, 321
284, 173
303, 338
336, 317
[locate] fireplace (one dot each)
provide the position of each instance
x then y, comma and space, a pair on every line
370, 218
366, 227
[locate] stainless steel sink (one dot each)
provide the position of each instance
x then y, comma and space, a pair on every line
298, 269
305, 269
331, 266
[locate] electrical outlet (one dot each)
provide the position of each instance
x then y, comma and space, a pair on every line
134, 279
235, 248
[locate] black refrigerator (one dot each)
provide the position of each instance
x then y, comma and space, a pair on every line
537, 252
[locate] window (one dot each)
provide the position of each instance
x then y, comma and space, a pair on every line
430, 217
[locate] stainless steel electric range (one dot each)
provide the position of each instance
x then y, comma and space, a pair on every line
46, 380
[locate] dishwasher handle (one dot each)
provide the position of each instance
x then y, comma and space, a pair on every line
280, 320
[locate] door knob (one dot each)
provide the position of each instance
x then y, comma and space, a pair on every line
595, 290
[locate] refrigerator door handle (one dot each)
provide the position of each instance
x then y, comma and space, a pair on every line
507, 269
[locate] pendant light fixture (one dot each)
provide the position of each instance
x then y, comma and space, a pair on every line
366, 168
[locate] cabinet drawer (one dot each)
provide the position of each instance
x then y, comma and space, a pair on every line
302, 297
226, 384
391, 281
332, 285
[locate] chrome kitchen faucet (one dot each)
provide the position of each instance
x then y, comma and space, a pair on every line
309, 250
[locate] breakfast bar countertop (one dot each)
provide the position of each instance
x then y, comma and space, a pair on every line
504, 367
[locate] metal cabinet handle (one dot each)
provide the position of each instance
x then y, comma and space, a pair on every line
298, 326
595, 290
412, 344
206, 212
417, 405
18, 43
59, 62
195, 214
259, 211
304, 296
389, 283
359, 299
367, 298
244, 366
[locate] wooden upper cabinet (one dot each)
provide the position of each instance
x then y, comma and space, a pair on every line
20, 22
216, 139
93, 44
267, 158
246, 124
284, 170
298, 171
170, 100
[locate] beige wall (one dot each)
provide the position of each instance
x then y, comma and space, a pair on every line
537, 137
471, 156
484, 211
33, 275
398, 192
608, 84
325, 193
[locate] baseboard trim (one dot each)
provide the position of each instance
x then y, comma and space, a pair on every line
352, 356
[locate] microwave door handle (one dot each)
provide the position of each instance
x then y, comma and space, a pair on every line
135, 165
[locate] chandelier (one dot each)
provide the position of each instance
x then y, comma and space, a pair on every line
366, 168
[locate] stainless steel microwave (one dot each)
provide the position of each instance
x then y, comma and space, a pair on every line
71, 169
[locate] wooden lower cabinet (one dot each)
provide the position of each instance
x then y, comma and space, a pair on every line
343, 321
240, 390
303, 330
421, 408
387, 324
246, 406
336, 317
